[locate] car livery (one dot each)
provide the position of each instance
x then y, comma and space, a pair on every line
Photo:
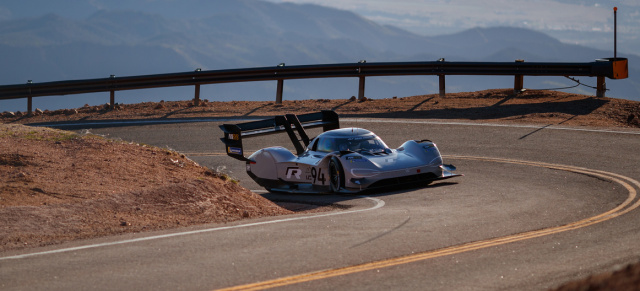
339, 160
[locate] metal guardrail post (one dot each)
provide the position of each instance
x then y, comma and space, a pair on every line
279, 91
196, 98
361, 88
601, 87
280, 86
29, 100
361, 81
112, 94
112, 99
442, 85
518, 83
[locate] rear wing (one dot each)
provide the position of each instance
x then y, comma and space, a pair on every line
234, 133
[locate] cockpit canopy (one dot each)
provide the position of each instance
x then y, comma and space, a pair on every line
348, 139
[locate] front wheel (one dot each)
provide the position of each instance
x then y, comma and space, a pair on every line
336, 175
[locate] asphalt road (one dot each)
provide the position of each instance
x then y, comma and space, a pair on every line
538, 206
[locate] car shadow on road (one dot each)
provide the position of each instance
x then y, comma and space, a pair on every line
329, 202
546, 126
421, 110
340, 105
496, 111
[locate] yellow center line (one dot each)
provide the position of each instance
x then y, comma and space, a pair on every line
621, 209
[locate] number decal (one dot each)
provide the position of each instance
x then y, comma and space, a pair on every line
317, 175
321, 176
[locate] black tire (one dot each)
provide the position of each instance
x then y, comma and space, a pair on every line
336, 175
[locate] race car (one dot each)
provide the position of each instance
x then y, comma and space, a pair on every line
339, 160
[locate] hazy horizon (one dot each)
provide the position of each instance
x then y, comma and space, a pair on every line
96, 38
583, 22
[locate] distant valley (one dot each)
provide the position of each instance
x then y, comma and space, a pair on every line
135, 39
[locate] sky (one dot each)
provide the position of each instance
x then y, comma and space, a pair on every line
420, 15
581, 22
586, 22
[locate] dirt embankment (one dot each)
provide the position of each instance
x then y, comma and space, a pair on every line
58, 186
499, 105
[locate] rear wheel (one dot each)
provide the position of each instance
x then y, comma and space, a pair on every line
336, 175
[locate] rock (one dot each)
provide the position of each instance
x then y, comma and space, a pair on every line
39, 111
70, 111
159, 106
353, 98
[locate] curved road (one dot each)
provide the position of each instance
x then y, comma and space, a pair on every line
538, 206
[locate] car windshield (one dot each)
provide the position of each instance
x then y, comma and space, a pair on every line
365, 144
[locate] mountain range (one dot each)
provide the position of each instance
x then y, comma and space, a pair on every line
127, 38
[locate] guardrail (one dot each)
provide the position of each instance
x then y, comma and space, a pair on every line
613, 68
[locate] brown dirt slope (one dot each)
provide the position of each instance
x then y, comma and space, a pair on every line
58, 186
499, 105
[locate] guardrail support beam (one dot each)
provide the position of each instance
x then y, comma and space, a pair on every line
279, 91
442, 85
112, 99
518, 83
361, 89
196, 98
602, 86
29, 99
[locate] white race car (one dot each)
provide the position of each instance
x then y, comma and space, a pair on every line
342, 160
